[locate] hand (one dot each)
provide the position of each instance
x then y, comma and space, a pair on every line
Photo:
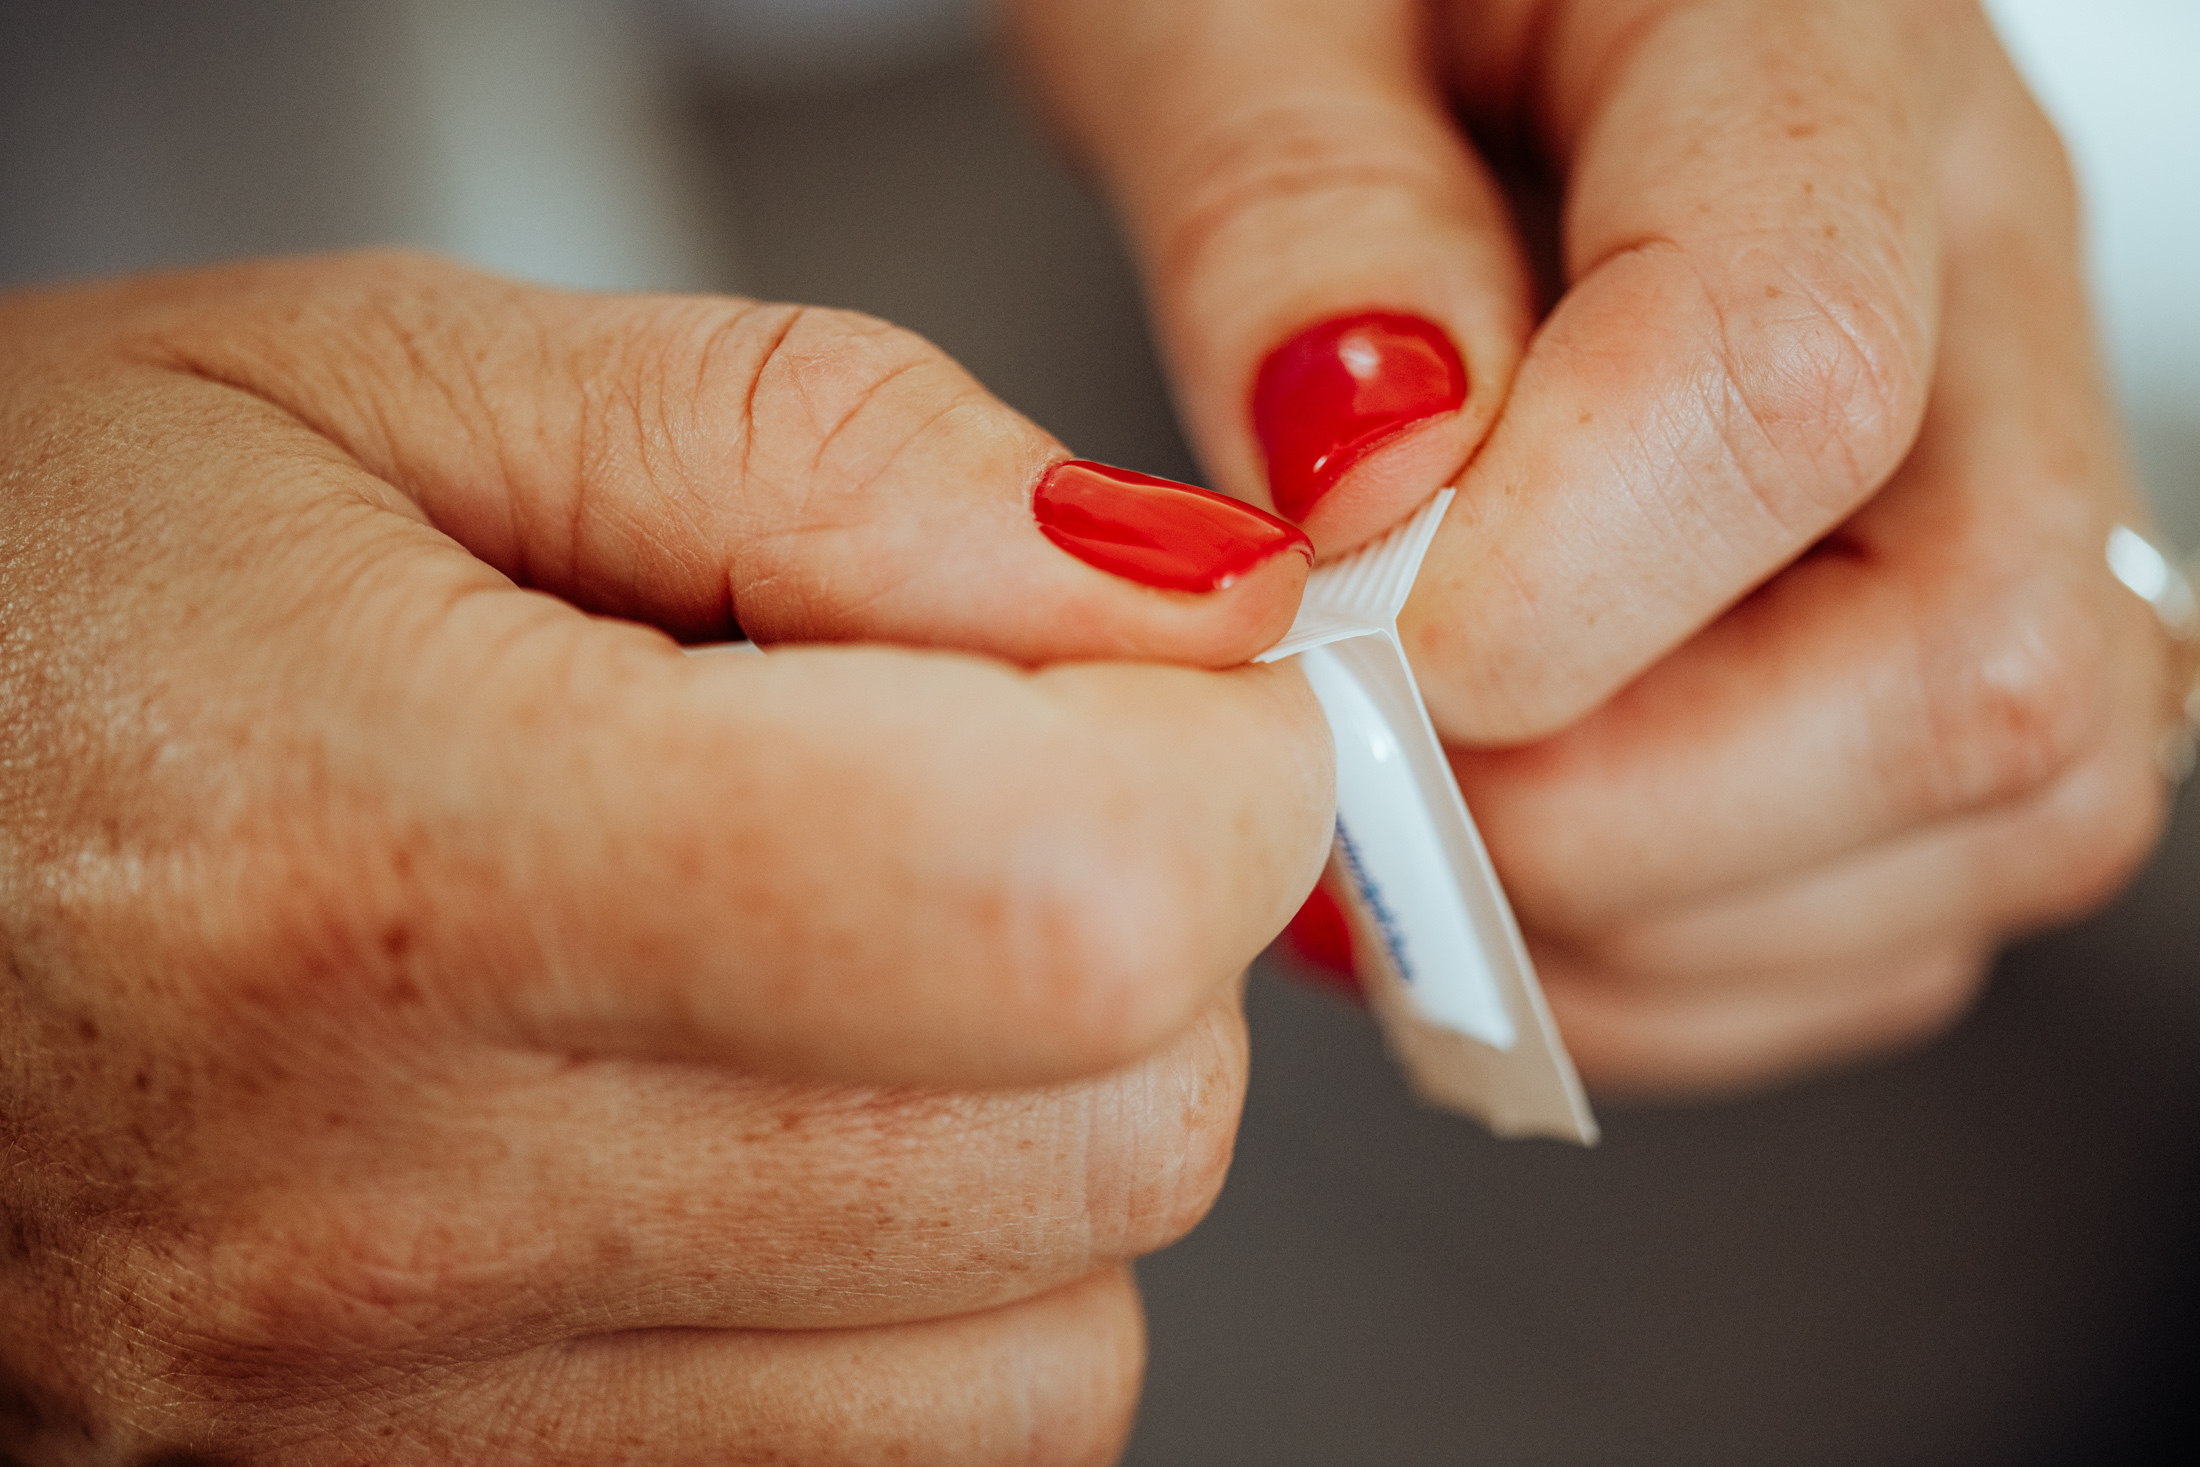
445, 1022
1771, 626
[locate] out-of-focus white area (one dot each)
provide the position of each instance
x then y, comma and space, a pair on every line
534, 137
2121, 78
549, 152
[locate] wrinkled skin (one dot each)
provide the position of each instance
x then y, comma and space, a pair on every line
443, 1021
1770, 629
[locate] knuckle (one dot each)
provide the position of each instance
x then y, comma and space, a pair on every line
822, 373
1088, 1400
1825, 380
1097, 944
1195, 1094
394, 268
341, 957
2054, 188
303, 1310
2010, 711
2102, 822
2028, 189
1926, 996
824, 402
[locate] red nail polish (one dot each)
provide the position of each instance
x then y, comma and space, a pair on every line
1321, 939
1332, 394
1156, 531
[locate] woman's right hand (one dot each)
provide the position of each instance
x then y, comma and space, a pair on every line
445, 1021
1771, 631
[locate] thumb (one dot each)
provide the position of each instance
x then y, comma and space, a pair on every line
704, 464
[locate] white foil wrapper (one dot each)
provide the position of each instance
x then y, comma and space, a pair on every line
1433, 937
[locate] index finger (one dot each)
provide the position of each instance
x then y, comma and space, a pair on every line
1740, 358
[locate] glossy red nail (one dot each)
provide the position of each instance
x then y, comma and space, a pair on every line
1321, 939
1157, 532
1332, 394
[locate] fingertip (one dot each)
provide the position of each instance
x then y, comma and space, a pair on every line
1185, 574
1395, 478
1360, 417
943, 518
1250, 616
1156, 532
1339, 389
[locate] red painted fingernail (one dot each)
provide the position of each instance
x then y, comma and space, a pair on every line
1321, 939
1332, 394
1156, 531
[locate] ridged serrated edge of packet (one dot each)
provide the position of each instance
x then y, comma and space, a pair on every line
1434, 939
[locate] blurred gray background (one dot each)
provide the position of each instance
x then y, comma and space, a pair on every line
1985, 1252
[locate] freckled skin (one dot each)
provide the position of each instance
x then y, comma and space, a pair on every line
443, 1019
1783, 431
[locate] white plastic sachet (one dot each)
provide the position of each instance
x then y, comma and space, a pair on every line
1433, 937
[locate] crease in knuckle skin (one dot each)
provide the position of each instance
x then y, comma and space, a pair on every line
733, 344
1200, 1094
842, 402
2008, 705
403, 356
1816, 403
640, 387
815, 377
307, 1306
230, 1345
663, 403
1155, 1140
888, 576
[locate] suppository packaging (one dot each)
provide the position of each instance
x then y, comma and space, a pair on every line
1433, 936
1434, 939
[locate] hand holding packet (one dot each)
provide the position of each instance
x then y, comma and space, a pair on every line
1433, 936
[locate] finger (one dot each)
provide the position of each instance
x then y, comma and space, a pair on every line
2048, 860
1335, 280
1956, 647
1781, 979
857, 864
1740, 357
1790, 1021
1049, 876
515, 1199
1052, 1380
813, 475
1866, 697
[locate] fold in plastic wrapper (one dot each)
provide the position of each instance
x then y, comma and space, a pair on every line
1433, 936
